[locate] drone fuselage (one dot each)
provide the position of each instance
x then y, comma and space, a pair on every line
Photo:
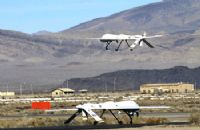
130, 108
138, 40
110, 105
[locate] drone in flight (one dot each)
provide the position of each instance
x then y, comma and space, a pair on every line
139, 40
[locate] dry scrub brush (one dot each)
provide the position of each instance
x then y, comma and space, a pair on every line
31, 122
195, 119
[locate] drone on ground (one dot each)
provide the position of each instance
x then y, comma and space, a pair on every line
130, 108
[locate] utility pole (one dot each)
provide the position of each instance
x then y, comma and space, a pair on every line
67, 84
106, 87
114, 85
20, 89
32, 90
7, 88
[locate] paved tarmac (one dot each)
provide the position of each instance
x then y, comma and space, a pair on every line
164, 115
99, 127
182, 120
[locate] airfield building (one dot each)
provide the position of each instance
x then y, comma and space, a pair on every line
167, 88
59, 92
83, 91
7, 94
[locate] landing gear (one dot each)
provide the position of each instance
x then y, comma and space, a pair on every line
95, 123
73, 116
130, 117
108, 43
119, 122
137, 114
130, 114
98, 119
102, 113
117, 41
119, 45
127, 43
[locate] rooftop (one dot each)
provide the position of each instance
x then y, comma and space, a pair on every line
65, 89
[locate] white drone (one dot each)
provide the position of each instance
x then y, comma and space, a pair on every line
130, 108
139, 40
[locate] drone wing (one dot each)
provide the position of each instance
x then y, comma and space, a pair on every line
93, 38
155, 36
58, 110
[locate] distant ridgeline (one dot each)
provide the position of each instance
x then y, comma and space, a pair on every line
132, 79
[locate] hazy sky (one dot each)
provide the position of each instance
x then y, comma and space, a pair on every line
55, 15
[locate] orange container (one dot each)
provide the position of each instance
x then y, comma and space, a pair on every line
41, 105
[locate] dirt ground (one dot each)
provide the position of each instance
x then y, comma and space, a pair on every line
161, 128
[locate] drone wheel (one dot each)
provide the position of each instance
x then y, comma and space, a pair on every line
95, 123
131, 49
116, 49
120, 122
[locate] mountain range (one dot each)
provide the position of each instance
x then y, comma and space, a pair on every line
132, 79
48, 59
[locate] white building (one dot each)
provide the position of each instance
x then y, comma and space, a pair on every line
7, 94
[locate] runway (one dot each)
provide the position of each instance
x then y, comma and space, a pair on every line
174, 118
163, 115
100, 126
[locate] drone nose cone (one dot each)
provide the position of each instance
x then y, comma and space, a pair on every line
103, 40
79, 106
108, 36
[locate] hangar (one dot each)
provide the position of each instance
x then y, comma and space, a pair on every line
167, 88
